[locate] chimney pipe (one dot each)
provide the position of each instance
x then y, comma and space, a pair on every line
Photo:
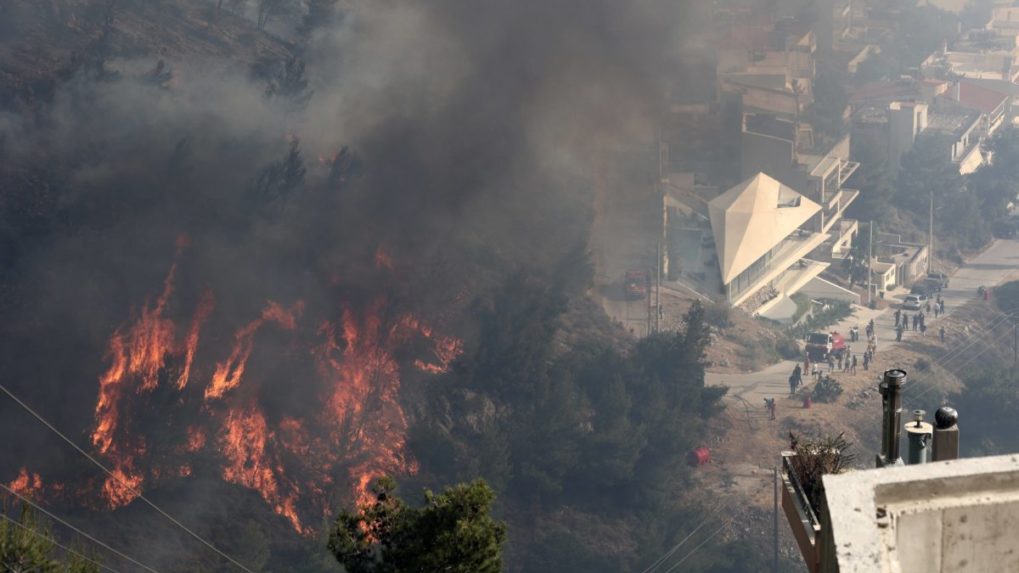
891, 405
919, 434
946, 434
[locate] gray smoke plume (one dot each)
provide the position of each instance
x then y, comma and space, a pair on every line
463, 138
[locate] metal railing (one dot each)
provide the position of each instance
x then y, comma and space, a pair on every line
804, 501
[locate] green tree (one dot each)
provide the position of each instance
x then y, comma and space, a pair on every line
996, 183
874, 181
26, 546
830, 100
990, 398
452, 532
927, 168
1006, 297
858, 259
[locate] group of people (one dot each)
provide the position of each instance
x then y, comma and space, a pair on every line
846, 361
902, 322
918, 321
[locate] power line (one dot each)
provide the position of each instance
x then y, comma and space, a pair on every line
693, 551
76, 530
658, 563
981, 337
54, 542
122, 482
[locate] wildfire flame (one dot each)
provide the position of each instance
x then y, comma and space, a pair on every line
353, 432
229, 372
26, 484
245, 441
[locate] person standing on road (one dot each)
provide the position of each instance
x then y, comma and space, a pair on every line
905, 321
769, 403
852, 368
923, 329
866, 360
898, 315
927, 307
941, 334
942, 305
898, 333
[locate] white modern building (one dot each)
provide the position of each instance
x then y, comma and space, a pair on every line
762, 238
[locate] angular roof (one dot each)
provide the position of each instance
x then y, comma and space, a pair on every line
981, 98
751, 218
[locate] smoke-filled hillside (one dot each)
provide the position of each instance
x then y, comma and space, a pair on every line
239, 253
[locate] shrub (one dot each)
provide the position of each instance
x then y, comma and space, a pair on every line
717, 314
826, 390
788, 348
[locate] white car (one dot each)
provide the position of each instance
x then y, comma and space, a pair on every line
914, 302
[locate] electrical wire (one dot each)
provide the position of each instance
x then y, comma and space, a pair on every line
57, 544
98, 464
983, 336
694, 550
665, 557
43, 510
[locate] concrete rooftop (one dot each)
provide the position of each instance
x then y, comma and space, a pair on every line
957, 516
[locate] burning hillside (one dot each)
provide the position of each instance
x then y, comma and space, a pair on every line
158, 407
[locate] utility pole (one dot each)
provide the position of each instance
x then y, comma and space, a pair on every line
774, 518
930, 237
647, 293
658, 286
870, 264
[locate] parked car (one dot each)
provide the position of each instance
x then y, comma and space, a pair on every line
922, 288
940, 278
914, 302
635, 284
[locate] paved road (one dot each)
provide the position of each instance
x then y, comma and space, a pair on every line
997, 264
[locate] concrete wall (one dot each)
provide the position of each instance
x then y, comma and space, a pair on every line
905, 122
959, 516
770, 155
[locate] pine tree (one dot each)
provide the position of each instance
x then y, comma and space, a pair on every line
452, 532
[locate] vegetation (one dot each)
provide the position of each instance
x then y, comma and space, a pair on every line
816, 457
1006, 297
988, 403
592, 426
453, 532
831, 313
27, 546
826, 390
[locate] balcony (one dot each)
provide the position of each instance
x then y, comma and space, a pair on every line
848, 168
801, 516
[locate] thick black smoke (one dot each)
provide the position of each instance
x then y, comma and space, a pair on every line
463, 138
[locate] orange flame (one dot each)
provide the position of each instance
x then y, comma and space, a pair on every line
121, 488
244, 442
358, 425
26, 484
383, 260
229, 372
137, 355
196, 439
205, 306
